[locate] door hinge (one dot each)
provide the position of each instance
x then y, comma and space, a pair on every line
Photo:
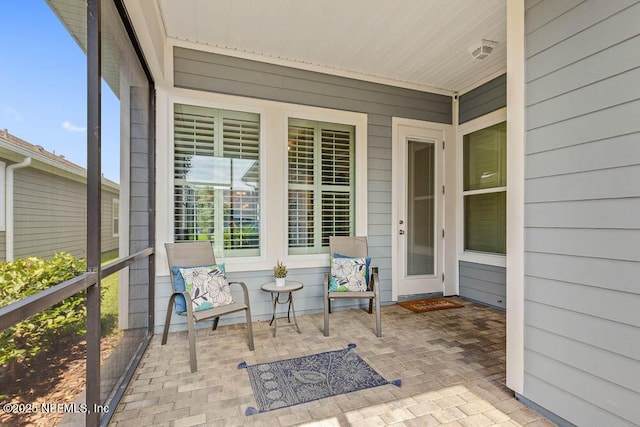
443, 277
443, 189
443, 233
443, 145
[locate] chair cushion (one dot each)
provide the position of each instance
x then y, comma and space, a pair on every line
348, 275
207, 286
178, 286
368, 259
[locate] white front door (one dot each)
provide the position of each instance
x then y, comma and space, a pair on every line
417, 232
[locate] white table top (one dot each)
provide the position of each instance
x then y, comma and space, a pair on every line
289, 286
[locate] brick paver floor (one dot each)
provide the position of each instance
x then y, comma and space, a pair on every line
451, 363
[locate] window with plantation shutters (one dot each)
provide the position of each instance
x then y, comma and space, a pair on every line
320, 184
217, 178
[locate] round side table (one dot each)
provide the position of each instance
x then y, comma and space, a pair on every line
289, 287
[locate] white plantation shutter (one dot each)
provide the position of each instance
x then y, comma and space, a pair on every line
241, 136
301, 186
301, 224
301, 155
321, 184
241, 142
217, 178
336, 157
337, 182
336, 215
194, 131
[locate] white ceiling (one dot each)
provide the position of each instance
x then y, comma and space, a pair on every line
411, 43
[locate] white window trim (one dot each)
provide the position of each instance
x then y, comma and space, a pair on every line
483, 122
231, 263
114, 203
274, 117
218, 144
359, 121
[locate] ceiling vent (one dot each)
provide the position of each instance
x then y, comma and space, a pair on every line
482, 49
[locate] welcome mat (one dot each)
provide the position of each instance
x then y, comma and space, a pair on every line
424, 305
303, 379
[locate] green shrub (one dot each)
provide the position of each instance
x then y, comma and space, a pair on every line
45, 330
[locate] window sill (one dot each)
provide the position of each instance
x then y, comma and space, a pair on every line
233, 265
484, 258
308, 261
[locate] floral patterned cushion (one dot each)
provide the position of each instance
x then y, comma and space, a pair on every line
178, 286
207, 286
368, 259
348, 275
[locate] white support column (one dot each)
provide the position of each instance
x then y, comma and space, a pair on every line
451, 206
515, 194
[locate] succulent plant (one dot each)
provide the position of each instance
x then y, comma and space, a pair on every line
280, 270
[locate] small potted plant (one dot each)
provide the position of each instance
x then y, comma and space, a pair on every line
280, 272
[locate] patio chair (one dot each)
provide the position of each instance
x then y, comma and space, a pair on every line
353, 247
198, 254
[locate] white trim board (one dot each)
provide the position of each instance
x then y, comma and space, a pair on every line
515, 193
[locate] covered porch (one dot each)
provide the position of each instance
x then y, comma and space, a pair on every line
451, 363
537, 218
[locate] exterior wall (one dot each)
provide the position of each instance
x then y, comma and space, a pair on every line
50, 215
108, 241
483, 283
210, 72
484, 99
582, 228
3, 245
139, 206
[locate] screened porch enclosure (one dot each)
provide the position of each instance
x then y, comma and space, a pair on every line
112, 295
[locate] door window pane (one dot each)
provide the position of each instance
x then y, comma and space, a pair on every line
421, 209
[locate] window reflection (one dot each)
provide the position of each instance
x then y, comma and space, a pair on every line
217, 178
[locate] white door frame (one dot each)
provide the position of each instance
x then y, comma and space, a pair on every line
397, 144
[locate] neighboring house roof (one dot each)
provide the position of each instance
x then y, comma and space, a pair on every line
16, 149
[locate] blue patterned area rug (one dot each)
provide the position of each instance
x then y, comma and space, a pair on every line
303, 379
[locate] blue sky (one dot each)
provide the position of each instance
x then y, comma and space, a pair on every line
43, 92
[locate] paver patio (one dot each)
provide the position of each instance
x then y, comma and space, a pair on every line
451, 363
